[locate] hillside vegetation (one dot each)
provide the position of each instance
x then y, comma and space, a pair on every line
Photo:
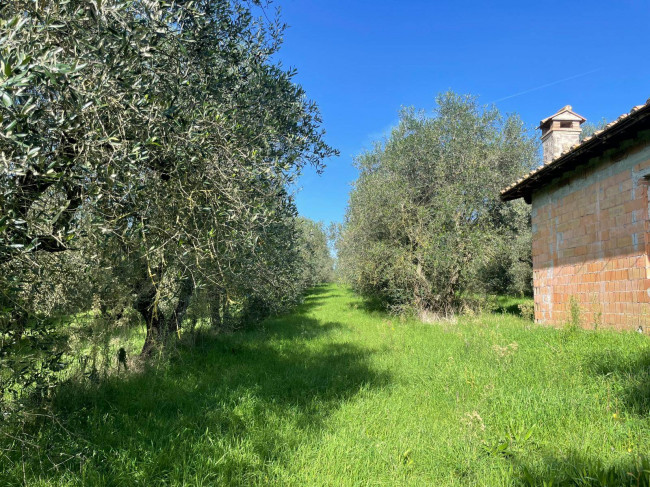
337, 393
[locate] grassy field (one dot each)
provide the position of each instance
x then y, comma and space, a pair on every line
339, 394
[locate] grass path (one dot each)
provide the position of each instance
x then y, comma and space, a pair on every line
337, 394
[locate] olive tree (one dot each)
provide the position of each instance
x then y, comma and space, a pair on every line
424, 222
317, 262
146, 146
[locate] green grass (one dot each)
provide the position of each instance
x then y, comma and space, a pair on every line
335, 394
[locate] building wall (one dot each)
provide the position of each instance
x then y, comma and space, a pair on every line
591, 242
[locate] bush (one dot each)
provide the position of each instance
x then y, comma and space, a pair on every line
527, 311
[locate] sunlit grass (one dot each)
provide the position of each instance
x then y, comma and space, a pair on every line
336, 394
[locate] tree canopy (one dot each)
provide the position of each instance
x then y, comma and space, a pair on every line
146, 148
425, 228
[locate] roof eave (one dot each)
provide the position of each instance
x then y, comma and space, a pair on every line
544, 174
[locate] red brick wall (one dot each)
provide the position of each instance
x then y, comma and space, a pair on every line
591, 242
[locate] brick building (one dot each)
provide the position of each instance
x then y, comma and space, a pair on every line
590, 221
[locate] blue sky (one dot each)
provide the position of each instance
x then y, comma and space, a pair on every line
362, 60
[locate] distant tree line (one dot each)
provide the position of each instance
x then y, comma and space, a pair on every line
425, 230
146, 148
318, 263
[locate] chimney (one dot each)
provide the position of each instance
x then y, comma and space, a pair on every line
560, 132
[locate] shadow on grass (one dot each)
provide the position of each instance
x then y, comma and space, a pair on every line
510, 309
630, 373
315, 297
231, 410
318, 290
371, 305
497, 304
504, 304
574, 469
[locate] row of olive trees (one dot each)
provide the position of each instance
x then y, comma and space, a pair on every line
318, 267
145, 151
425, 229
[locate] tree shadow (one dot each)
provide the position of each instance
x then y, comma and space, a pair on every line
301, 329
506, 304
370, 305
228, 410
315, 297
574, 469
508, 309
319, 290
631, 375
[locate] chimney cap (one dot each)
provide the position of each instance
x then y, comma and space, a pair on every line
565, 113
